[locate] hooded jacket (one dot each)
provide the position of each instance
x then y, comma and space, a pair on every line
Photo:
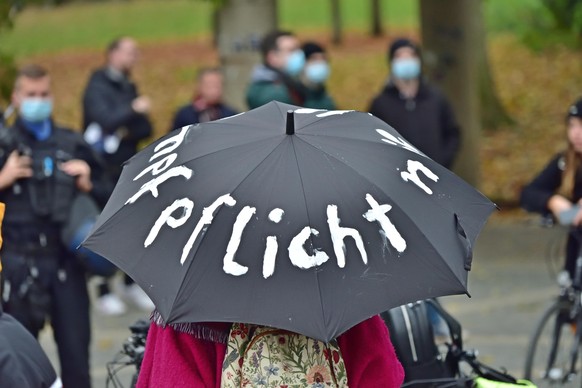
269, 84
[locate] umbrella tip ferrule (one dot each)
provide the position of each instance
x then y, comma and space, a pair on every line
290, 125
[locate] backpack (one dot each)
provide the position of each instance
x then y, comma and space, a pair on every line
269, 357
82, 216
412, 335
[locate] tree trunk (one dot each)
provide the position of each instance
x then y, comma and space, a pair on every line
336, 22
241, 26
215, 25
493, 114
376, 18
450, 39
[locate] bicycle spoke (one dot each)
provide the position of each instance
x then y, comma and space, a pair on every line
552, 358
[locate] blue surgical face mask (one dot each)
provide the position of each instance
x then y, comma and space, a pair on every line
317, 72
406, 68
35, 110
295, 62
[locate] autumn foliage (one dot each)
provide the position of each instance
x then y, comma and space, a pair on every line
536, 89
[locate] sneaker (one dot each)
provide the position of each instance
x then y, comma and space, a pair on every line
110, 304
139, 298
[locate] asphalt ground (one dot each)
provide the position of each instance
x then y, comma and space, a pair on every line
511, 283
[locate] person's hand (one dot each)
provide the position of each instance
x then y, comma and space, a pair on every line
16, 167
558, 204
578, 218
81, 170
141, 104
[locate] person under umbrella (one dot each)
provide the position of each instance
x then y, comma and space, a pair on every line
557, 189
196, 355
308, 221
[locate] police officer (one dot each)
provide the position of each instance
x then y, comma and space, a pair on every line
45, 167
23, 363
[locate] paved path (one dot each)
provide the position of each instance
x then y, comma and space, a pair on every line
510, 286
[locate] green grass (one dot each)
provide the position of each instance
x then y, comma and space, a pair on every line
299, 14
90, 25
511, 15
93, 25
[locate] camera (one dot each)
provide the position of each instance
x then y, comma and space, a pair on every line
8, 138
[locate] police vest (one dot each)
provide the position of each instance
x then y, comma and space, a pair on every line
46, 197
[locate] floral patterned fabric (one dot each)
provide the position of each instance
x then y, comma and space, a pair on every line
259, 356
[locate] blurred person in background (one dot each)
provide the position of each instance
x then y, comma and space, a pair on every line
415, 108
314, 76
421, 114
115, 120
277, 77
43, 168
557, 188
206, 104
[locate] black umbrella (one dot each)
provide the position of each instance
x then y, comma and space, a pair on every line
305, 220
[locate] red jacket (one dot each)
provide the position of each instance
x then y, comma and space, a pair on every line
176, 359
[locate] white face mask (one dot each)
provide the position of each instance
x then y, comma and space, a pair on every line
406, 68
317, 72
295, 62
36, 109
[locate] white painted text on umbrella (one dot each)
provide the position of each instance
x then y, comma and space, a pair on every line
179, 212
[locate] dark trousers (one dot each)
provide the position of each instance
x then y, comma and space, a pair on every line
46, 286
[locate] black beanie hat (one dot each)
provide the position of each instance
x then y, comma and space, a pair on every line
575, 109
310, 48
399, 43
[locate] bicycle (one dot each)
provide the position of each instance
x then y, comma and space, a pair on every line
132, 353
427, 365
553, 352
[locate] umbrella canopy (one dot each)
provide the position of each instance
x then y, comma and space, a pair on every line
301, 219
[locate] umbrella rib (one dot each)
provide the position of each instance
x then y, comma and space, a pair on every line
380, 122
316, 273
196, 158
193, 253
419, 153
394, 204
235, 146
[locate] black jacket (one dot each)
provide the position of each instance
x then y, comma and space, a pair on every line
427, 121
536, 194
42, 203
107, 102
188, 115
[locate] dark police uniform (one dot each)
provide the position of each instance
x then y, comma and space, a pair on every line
41, 278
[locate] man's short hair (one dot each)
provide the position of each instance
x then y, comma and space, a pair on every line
269, 42
114, 44
207, 70
31, 71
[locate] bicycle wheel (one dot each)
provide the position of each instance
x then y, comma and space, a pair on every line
548, 358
